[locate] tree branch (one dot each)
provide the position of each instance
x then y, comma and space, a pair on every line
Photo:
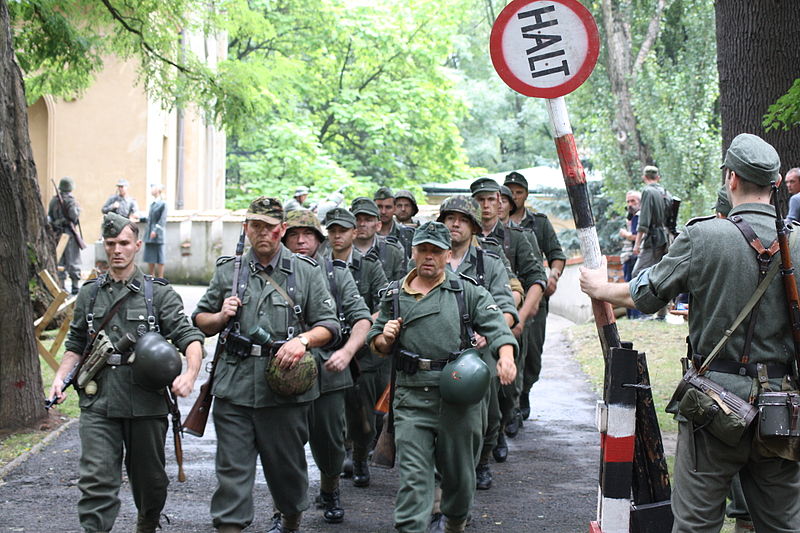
650, 37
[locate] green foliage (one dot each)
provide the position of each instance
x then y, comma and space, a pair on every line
785, 113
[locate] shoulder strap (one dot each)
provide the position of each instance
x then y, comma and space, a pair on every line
152, 325
480, 269
507, 247
291, 288
467, 333
335, 292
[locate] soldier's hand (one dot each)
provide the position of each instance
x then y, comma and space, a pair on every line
592, 280
183, 384
153, 234
517, 330
338, 360
480, 341
56, 390
291, 352
506, 370
552, 285
230, 305
392, 329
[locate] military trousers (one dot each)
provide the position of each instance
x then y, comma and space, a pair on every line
276, 435
70, 262
704, 469
103, 443
493, 418
360, 410
534, 333
434, 436
326, 432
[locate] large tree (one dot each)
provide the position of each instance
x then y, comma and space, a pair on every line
758, 53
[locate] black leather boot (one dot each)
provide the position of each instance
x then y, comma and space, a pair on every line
333, 512
347, 465
360, 473
437, 523
483, 477
513, 425
524, 406
500, 451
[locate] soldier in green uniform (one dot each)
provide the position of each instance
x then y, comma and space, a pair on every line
549, 248
60, 218
405, 208
327, 417
389, 250
384, 198
528, 268
374, 371
714, 262
117, 413
287, 297
430, 433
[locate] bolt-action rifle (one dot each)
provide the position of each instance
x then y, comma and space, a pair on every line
196, 420
787, 273
175, 413
72, 229
384, 454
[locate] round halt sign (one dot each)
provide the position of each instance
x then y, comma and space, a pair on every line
544, 48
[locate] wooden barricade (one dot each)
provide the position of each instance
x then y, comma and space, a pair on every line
62, 301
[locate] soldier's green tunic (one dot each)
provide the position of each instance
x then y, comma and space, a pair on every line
404, 234
122, 414
535, 330
652, 220
429, 433
250, 420
59, 220
370, 280
327, 416
392, 256
712, 261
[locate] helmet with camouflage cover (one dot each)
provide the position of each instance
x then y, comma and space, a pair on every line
303, 218
156, 362
292, 381
408, 195
466, 379
464, 204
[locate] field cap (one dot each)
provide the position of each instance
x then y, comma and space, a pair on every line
515, 178
365, 205
265, 209
340, 216
434, 233
384, 193
650, 171
505, 191
113, 224
300, 191
484, 185
753, 159
122, 182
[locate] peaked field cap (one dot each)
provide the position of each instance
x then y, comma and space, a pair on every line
340, 216
113, 224
383, 193
484, 185
650, 170
434, 233
753, 159
122, 182
515, 178
265, 209
365, 205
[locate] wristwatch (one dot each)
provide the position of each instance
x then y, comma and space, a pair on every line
304, 340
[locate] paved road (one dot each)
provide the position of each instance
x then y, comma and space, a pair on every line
548, 484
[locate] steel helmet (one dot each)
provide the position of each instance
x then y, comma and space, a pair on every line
465, 380
464, 204
156, 362
292, 381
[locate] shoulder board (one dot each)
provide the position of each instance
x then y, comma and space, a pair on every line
338, 263
161, 281
91, 280
491, 240
389, 289
538, 214
695, 220
517, 228
391, 239
490, 253
468, 278
310, 260
794, 223
224, 259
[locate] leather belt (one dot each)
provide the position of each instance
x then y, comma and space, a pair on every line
260, 351
117, 359
432, 364
774, 370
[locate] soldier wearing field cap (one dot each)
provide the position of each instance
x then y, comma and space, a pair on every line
390, 228
282, 298
374, 371
123, 419
714, 261
530, 272
389, 249
121, 202
298, 200
550, 249
432, 433
405, 208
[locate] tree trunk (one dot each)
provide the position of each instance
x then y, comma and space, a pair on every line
23, 247
757, 58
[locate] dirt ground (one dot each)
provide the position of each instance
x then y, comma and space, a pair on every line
548, 484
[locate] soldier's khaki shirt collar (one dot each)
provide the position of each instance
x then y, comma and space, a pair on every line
413, 274
255, 266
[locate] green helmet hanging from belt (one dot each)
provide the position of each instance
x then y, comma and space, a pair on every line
466, 379
156, 362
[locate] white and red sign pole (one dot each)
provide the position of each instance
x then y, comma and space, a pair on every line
547, 49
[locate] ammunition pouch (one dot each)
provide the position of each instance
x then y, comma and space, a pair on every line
238, 345
407, 362
104, 353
